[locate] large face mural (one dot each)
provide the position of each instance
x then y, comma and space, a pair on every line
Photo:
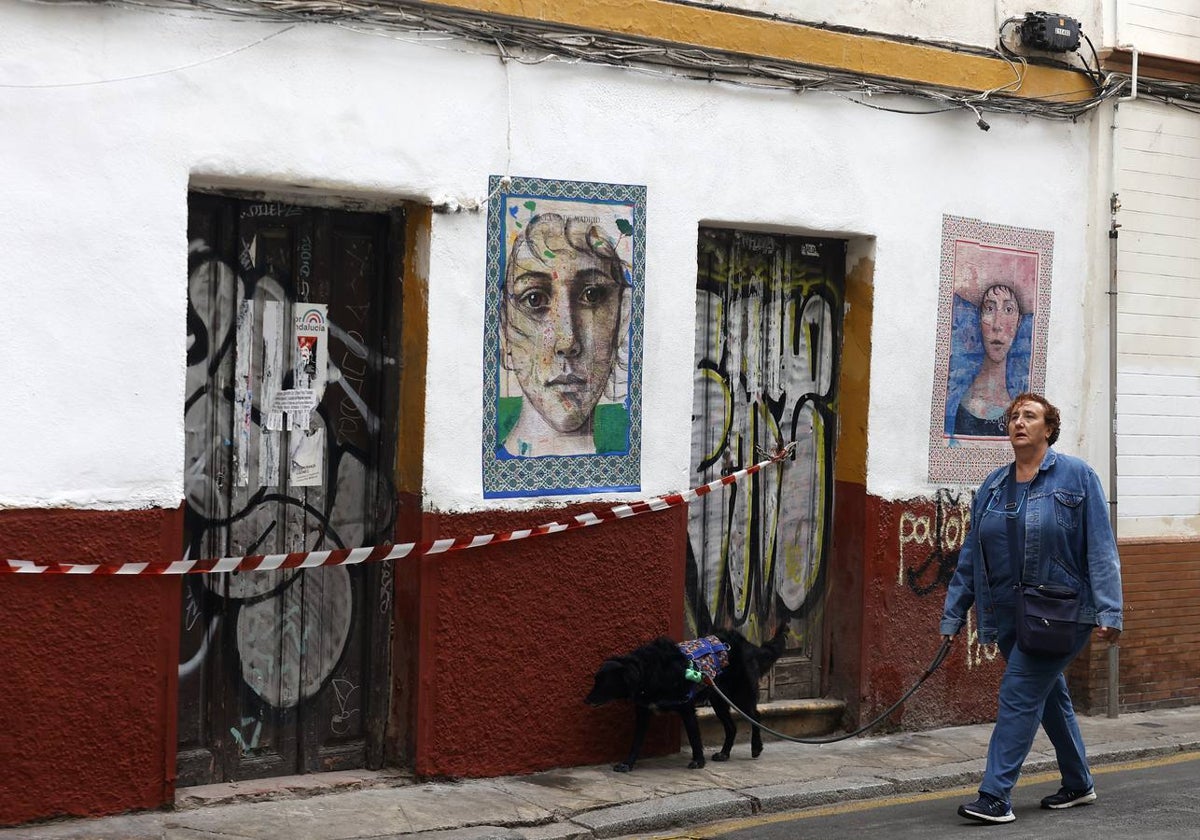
562, 372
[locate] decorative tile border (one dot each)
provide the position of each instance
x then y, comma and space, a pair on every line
974, 255
619, 211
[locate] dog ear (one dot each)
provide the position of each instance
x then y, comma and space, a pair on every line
607, 684
632, 673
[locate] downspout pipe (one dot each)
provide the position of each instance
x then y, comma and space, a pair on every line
1114, 651
1114, 206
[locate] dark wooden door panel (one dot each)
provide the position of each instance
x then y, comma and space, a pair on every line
285, 671
768, 345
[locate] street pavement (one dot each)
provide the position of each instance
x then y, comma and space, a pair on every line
594, 802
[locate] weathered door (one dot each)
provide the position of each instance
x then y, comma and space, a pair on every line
290, 425
768, 344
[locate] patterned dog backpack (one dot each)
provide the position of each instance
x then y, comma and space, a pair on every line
709, 656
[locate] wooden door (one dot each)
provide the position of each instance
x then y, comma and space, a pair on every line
768, 344
290, 426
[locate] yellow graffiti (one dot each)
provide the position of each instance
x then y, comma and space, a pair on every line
976, 652
723, 440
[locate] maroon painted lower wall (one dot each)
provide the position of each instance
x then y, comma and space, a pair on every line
494, 648
912, 548
843, 661
88, 666
510, 636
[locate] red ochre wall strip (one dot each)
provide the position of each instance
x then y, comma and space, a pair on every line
511, 637
904, 590
87, 668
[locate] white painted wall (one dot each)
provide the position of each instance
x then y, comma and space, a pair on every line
1161, 27
1158, 302
93, 214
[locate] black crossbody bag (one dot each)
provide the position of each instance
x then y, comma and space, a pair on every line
1046, 614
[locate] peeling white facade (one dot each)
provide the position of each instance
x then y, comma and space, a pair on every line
137, 106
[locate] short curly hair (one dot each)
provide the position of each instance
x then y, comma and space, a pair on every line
1053, 418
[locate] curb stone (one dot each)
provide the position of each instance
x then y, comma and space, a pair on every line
942, 776
667, 812
556, 831
478, 832
790, 795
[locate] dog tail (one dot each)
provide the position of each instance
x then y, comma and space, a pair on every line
773, 649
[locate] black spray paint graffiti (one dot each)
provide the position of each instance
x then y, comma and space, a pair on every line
769, 321
929, 549
282, 652
929, 546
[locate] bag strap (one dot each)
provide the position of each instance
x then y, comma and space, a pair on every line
1010, 502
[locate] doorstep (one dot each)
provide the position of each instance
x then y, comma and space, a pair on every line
807, 718
289, 787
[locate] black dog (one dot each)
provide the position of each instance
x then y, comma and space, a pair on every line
653, 677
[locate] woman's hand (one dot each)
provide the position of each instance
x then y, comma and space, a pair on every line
1107, 634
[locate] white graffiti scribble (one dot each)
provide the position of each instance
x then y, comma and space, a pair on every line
343, 690
240, 738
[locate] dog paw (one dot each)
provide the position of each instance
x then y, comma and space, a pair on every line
720, 756
755, 752
621, 768
696, 765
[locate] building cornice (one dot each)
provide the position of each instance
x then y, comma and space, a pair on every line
1150, 66
662, 21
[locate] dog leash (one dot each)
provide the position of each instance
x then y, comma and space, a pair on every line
933, 666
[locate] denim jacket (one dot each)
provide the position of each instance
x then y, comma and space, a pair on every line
1068, 542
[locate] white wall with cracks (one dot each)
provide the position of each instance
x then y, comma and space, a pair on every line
109, 114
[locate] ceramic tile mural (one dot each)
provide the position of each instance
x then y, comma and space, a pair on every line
563, 344
993, 317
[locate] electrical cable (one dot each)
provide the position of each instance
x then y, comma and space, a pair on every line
1096, 75
209, 60
942, 653
559, 43
553, 42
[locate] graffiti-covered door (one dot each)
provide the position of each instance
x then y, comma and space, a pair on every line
290, 427
768, 344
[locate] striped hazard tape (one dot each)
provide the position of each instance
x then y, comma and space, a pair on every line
377, 553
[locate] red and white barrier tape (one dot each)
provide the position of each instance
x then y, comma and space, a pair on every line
374, 554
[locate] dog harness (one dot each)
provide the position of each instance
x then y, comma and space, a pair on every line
707, 658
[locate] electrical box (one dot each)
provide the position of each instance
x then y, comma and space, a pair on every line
1051, 32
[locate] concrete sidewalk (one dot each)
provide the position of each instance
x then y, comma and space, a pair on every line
594, 802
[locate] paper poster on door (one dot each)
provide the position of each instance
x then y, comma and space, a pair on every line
311, 365
306, 458
310, 372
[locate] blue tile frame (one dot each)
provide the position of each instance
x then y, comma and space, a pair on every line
557, 475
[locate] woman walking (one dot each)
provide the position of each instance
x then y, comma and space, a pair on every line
1043, 521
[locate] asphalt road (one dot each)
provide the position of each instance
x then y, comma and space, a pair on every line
1155, 799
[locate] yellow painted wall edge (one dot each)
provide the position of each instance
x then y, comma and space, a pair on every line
664, 21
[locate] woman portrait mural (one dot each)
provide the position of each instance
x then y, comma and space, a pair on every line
561, 404
991, 333
564, 329
993, 317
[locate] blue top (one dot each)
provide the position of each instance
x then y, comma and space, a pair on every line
1068, 542
1003, 565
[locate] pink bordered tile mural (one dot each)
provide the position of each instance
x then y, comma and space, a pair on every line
993, 318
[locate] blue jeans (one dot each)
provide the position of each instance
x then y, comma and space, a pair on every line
1033, 690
